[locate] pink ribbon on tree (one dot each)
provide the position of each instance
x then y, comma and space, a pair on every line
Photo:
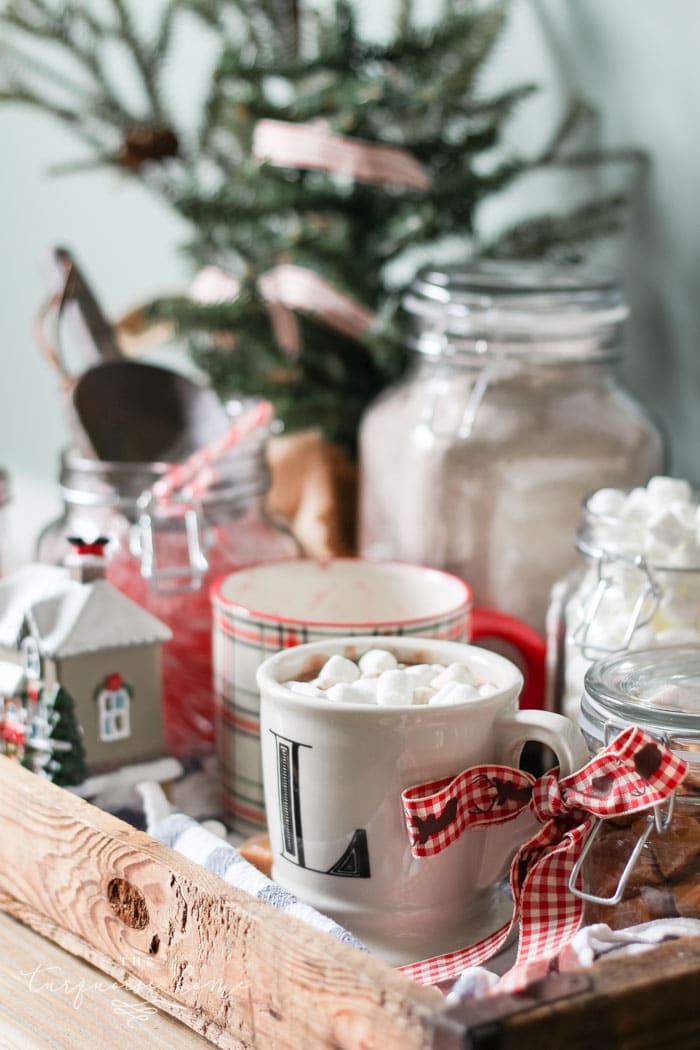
287, 144
633, 773
287, 288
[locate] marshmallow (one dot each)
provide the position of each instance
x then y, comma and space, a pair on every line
663, 490
607, 502
636, 506
667, 529
422, 674
399, 686
454, 673
306, 689
350, 693
374, 661
454, 693
393, 688
672, 697
337, 669
662, 522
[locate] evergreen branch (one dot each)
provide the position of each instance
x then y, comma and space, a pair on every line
103, 104
540, 236
594, 157
72, 118
142, 60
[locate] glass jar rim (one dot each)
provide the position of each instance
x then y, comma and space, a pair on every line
120, 484
515, 302
625, 689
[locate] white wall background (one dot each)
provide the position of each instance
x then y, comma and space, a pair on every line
635, 60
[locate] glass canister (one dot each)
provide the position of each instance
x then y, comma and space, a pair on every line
658, 690
637, 586
166, 561
478, 460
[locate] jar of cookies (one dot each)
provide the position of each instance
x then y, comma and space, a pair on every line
658, 690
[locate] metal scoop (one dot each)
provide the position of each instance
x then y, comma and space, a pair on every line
122, 410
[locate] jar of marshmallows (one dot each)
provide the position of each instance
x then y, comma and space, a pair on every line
637, 587
478, 460
658, 690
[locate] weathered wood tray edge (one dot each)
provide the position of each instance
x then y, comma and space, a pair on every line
246, 976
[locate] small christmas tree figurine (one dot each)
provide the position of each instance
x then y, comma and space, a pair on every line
66, 765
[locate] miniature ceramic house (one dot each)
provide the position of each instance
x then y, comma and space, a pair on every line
103, 648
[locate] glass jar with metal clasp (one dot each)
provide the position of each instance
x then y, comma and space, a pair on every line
623, 596
511, 413
165, 558
645, 867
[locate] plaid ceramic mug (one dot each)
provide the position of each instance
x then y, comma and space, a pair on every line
334, 773
264, 608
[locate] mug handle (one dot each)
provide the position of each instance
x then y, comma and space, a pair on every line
489, 623
554, 731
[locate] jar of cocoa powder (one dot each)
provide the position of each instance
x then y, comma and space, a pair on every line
478, 460
658, 690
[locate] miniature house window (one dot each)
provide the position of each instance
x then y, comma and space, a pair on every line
113, 707
30, 658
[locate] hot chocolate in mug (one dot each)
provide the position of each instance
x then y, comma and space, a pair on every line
334, 773
263, 608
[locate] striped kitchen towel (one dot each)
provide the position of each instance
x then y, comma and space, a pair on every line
186, 836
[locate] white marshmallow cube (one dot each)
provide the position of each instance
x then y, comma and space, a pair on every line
607, 502
423, 694
663, 490
422, 674
337, 669
666, 529
454, 693
454, 673
306, 689
350, 693
374, 661
394, 688
637, 505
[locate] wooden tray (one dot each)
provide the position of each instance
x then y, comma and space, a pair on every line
247, 976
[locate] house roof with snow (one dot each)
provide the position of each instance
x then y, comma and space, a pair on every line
88, 617
20, 591
11, 678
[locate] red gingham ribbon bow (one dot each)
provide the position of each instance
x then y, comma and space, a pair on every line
633, 773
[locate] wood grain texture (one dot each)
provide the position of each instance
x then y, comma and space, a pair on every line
229, 966
49, 999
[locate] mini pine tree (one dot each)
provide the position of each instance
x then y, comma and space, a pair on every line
277, 61
66, 765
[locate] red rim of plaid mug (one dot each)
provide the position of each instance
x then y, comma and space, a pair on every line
238, 608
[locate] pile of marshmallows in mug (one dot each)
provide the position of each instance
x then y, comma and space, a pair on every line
378, 678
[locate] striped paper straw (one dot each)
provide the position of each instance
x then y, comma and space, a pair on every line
199, 471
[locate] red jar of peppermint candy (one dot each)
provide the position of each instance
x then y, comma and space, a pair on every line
166, 560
